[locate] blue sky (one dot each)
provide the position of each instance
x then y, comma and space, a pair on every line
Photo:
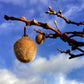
49, 66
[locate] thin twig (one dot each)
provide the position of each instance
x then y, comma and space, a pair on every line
80, 35
56, 25
80, 50
51, 11
75, 32
71, 55
47, 35
78, 55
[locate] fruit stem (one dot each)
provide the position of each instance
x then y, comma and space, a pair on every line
25, 30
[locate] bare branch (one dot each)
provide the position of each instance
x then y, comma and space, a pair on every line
71, 55
75, 32
59, 14
56, 25
39, 31
33, 22
80, 35
80, 50
67, 51
74, 56
64, 36
47, 35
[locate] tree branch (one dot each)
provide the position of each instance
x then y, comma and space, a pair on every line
71, 55
80, 35
64, 36
43, 25
59, 14
33, 22
56, 25
74, 56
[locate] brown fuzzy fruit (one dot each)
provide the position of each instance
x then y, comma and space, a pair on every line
40, 39
25, 49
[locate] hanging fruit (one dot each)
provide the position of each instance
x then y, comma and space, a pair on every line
40, 38
25, 49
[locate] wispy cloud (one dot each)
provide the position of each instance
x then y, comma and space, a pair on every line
39, 1
8, 27
73, 9
31, 73
15, 2
7, 77
61, 79
54, 62
56, 65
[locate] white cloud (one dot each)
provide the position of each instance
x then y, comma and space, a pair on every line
55, 65
62, 80
31, 73
7, 77
42, 65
